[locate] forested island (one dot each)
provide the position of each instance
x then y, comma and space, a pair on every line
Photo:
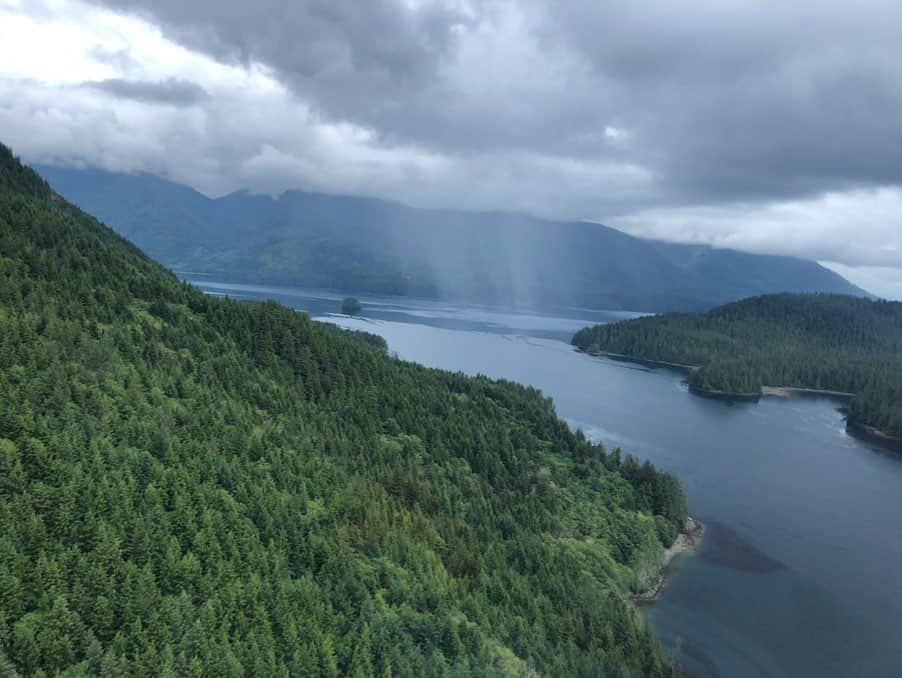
822, 342
196, 486
351, 306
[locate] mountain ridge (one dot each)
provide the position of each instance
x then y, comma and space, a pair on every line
365, 245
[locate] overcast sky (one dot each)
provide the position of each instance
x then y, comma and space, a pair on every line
760, 125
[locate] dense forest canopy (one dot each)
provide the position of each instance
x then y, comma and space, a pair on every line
195, 486
816, 341
361, 245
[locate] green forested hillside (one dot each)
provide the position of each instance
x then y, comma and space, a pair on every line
816, 341
196, 486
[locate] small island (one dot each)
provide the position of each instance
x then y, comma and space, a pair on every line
778, 344
351, 306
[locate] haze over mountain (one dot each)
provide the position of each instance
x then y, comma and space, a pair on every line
366, 245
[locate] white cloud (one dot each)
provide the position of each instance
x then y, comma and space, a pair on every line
857, 227
883, 281
251, 132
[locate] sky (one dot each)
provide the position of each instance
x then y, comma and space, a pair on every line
764, 126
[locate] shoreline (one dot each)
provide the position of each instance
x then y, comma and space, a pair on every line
687, 540
793, 391
641, 361
873, 435
770, 392
766, 391
858, 429
729, 396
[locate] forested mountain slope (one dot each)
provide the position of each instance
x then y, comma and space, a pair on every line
815, 341
361, 245
195, 486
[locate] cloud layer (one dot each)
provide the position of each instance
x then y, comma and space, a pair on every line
755, 124
171, 91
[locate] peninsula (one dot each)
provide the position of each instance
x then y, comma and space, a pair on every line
782, 344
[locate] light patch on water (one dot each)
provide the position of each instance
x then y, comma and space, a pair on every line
606, 437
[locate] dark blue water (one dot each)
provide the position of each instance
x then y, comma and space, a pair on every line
799, 571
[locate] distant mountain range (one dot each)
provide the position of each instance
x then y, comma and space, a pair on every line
364, 245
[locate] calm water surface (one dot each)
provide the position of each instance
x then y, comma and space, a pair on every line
799, 572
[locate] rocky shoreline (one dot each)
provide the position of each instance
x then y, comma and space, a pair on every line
873, 435
686, 541
729, 396
793, 391
639, 361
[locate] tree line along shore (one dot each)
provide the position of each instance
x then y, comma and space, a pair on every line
784, 344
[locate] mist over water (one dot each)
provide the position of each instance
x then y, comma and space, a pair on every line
798, 572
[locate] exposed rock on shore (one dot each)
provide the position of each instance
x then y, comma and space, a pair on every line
686, 541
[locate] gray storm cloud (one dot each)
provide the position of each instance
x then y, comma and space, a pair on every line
761, 125
170, 91
731, 100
